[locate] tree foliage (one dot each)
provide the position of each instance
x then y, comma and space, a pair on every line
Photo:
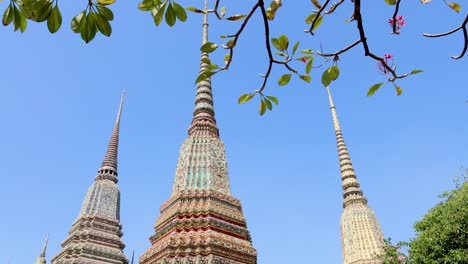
297, 62
442, 234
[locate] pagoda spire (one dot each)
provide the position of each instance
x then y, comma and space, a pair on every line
42, 257
352, 192
203, 112
361, 234
95, 236
110, 159
201, 222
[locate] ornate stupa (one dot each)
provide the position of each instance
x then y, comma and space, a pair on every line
361, 235
95, 236
201, 222
42, 258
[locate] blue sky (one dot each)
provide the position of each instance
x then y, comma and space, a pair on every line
59, 98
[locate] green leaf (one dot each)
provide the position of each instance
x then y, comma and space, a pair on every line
295, 47
229, 44
309, 65
316, 4
77, 21
223, 11
455, 6
318, 22
275, 43
236, 17
206, 60
158, 13
170, 16
272, 9
398, 90
209, 47
245, 98
204, 75
194, 9
19, 20
90, 29
180, 12
283, 41
227, 57
307, 51
8, 15
55, 20
390, 2
273, 99
306, 78
262, 107
268, 103
330, 75
284, 79
43, 12
374, 88
147, 5
103, 26
105, 12
416, 71
106, 2
212, 67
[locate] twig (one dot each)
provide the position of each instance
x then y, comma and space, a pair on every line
312, 25
394, 26
341, 51
333, 7
465, 36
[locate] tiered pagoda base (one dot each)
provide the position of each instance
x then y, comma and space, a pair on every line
93, 240
200, 227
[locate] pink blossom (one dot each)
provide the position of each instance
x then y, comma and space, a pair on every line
304, 60
399, 22
401, 258
388, 59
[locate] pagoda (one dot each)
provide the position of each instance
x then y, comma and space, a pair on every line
95, 236
201, 222
361, 236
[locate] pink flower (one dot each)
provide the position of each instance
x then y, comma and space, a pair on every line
388, 59
399, 22
401, 258
304, 60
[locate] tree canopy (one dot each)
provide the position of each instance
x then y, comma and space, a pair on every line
442, 234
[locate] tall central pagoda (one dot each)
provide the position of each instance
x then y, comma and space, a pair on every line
201, 222
361, 235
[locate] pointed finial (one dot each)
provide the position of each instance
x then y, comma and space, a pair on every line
109, 162
133, 256
41, 259
117, 120
205, 23
45, 246
351, 190
203, 113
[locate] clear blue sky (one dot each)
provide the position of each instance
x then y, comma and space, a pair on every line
59, 98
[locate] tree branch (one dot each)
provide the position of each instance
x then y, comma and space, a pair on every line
312, 25
465, 36
394, 26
